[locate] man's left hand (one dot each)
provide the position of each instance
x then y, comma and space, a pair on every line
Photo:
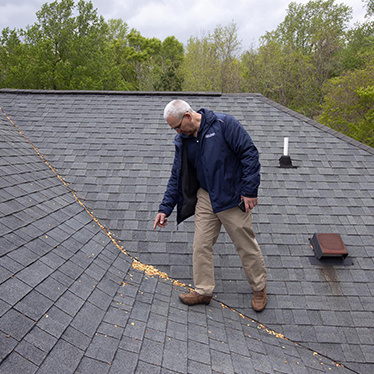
250, 203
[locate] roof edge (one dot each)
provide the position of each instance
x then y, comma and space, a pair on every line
89, 92
316, 124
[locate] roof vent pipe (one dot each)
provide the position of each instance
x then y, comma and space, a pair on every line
285, 161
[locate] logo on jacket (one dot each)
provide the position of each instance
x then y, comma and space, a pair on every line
210, 135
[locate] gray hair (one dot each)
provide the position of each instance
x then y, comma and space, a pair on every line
176, 109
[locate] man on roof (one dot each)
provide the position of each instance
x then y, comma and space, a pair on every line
215, 176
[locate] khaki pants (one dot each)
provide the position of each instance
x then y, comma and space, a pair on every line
207, 228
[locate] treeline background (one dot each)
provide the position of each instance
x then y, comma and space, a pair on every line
313, 62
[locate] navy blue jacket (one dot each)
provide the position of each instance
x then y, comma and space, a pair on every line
230, 162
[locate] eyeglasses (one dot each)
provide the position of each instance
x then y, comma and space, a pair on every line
177, 128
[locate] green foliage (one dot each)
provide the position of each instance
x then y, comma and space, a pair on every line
211, 62
201, 68
349, 104
302, 54
11, 51
312, 26
369, 7
228, 47
363, 129
349, 98
62, 50
281, 74
148, 64
118, 29
169, 76
359, 47
71, 47
138, 54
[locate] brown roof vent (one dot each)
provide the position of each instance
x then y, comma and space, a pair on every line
328, 245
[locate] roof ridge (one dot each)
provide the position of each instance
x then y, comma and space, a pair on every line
314, 123
94, 92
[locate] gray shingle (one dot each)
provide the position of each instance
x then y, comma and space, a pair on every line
31, 353
152, 352
7, 344
64, 357
88, 319
15, 364
92, 366
102, 348
34, 305
199, 352
125, 362
175, 355
15, 324
35, 273
13, 290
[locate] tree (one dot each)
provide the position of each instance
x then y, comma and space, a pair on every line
228, 47
12, 61
369, 7
363, 129
211, 62
360, 42
349, 104
71, 47
311, 26
359, 47
135, 57
201, 67
305, 52
50, 40
71, 51
281, 74
67, 48
117, 29
145, 63
171, 57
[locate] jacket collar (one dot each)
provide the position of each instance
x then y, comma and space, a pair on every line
207, 120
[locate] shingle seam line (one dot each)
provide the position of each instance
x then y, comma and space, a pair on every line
136, 264
282, 336
66, 185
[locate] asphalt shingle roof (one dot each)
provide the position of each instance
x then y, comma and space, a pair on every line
81, 178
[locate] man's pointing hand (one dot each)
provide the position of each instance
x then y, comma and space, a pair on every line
160, 221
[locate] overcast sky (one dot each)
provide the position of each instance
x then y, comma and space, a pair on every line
180, 18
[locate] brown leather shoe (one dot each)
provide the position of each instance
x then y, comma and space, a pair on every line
259, 300
194, 298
